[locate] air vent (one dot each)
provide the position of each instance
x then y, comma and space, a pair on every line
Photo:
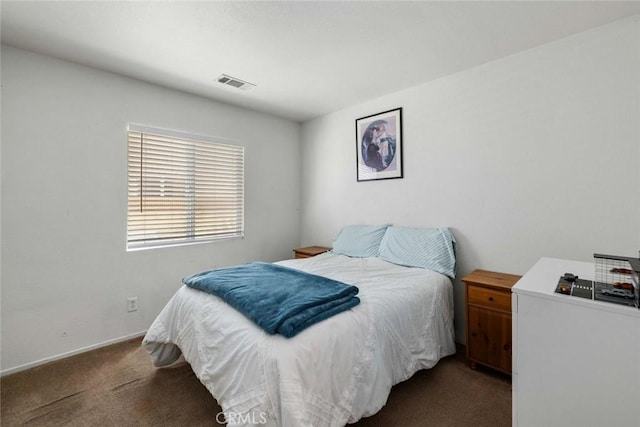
237, 83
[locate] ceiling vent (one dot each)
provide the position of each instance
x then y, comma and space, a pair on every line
237, 83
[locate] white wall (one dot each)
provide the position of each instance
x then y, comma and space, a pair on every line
66, 275
536, 154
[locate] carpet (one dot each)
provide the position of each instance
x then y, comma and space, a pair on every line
118, 386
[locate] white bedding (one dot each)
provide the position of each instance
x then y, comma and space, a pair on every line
330, 374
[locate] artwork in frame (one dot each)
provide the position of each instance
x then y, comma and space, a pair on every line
379, 146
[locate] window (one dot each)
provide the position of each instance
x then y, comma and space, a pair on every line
182, 189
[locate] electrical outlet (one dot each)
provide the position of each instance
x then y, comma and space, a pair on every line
132, 304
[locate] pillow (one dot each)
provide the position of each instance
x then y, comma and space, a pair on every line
432, 248
359, 240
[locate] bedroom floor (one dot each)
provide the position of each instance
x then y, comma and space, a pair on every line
118, 386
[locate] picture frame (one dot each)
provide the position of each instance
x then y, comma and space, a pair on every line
379, 146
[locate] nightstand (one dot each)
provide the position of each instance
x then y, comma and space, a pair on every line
489, 319
309, 251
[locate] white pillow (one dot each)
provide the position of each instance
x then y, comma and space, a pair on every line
359, 240
432, 248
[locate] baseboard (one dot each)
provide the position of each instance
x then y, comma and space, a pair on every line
70, 353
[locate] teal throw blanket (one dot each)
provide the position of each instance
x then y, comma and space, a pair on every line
279, 299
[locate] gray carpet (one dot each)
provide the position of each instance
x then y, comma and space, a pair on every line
118, 386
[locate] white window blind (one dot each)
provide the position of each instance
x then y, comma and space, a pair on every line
182, 189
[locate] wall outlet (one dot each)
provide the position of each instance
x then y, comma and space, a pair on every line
132, 304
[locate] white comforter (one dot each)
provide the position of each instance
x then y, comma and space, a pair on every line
330, 374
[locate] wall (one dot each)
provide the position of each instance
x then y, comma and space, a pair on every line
533, 155
66, 275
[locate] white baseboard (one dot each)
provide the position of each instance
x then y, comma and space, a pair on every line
70, 353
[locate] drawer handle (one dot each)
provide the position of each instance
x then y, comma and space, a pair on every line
505, 347
490, 298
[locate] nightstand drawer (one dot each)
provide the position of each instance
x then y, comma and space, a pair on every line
489, 298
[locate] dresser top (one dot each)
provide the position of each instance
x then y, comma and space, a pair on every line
541, 281
543, 277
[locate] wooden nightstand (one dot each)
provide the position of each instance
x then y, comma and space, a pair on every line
489, 319
310, 251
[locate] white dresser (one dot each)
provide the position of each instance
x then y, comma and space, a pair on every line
576, 362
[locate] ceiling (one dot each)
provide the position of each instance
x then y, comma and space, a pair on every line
306, 58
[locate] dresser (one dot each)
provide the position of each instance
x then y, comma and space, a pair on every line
576, 361
309, 251
488, 315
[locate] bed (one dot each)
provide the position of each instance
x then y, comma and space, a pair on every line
336, 371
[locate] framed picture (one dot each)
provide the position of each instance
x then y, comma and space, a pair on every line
379, 146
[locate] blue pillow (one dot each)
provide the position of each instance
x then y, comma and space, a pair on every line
432, 248
359, 240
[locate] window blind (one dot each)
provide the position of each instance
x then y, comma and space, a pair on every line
182, 190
